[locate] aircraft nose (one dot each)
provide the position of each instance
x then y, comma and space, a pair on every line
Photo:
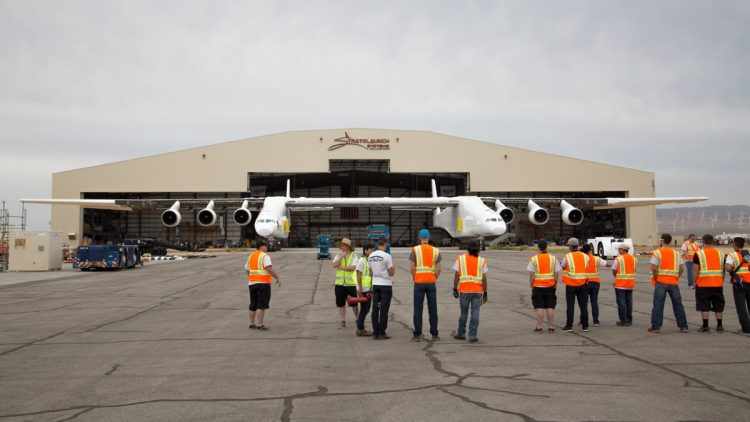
498, 228
264, 229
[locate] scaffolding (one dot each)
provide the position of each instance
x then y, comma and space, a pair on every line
9, 224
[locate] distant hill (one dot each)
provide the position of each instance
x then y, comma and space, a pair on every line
700, 220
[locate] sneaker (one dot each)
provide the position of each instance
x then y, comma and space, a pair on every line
550, 330
684, 330
621, 324
654, 330
596, 323
436, 338
385, 337
363, 333
704, 330
538, 329
629, 324
720, 329
376, 337
473, 340
416, 339
343, 324
457, 337
568, 328
252, 326
585, 329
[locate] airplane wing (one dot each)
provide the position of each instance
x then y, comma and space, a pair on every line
133, 204
599, 203
417, 204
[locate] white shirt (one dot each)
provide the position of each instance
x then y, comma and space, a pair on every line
380, 262
361, 268
532, 266
484, 267
266, 262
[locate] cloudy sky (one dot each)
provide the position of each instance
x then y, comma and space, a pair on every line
661, 86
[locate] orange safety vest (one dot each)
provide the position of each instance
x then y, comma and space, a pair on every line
545, 265
592, 269
742, 267
575, 269
425, 260
470, 274
625, 278
711, 272
668, 271
256, 272
692, 249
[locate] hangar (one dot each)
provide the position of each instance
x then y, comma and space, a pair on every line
346, 162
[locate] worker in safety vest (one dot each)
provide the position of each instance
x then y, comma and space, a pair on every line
624, 269
470, 287
574, 276
543, 271
709, 283
364, 288
737, 265
666, 269
689, 249
345, 264
425, 271
259, 276
593, 281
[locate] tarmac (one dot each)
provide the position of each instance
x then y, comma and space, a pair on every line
171, 343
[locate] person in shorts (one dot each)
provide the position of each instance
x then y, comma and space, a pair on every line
345, 264
260, 273
709, 283
544, 270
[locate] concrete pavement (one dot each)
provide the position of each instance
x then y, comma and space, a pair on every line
171, 343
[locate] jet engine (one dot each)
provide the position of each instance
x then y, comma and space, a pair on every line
571, 215
537, 214
242, 215
207, 216
172, 216
506, 213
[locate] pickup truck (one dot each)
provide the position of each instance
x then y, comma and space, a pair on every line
606, 246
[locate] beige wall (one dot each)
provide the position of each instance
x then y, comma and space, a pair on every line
492, 167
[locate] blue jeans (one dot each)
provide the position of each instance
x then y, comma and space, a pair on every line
690, 273
660, 297
470, 303
624, 304
420, 291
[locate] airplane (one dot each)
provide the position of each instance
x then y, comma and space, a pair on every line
463, 217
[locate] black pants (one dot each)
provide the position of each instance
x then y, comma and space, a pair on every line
364, 308
573, 293
420, 291
381, 303
742, 303
592, 290
624, 304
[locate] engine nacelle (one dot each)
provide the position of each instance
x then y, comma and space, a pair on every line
571, 215
172, 216
537, 214
505, 213
242, 215
207, 216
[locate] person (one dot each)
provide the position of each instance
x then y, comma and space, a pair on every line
624, 269
709, 280
689, 249
544, 271
593, 281
382, 269
574, 276
738, 268
425, 271
666, 270
345, 264
364, 288
259, 276
470, 287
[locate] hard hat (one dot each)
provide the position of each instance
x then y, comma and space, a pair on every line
573, 242
424, 234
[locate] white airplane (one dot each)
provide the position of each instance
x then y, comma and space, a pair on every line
463, 217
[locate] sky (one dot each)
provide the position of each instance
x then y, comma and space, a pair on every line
660, 86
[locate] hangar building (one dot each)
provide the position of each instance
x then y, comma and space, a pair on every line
346, 162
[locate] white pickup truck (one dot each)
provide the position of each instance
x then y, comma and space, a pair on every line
606, 246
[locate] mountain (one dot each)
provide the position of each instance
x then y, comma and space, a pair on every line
700, 220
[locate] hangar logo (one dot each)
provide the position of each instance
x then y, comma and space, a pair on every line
373, 144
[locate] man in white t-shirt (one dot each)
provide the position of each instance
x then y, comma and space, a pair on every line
381, 266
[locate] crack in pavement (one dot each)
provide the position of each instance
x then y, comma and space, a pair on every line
31, 343
485, 406
289, 311
74, 416
112, 370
